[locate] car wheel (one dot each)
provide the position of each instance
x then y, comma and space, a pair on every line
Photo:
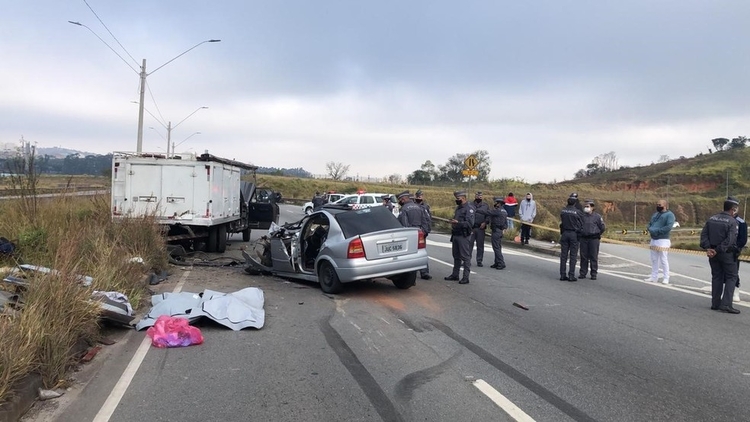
328, 279
406, 280
246, 235
308, 210
221, 238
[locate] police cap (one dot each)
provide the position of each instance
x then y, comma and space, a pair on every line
403, 194
499, 199
385, 197
459, 193
478, 194
418, 192
732, 200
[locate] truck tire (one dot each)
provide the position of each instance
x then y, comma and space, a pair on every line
246, 235
221, 238
211, 242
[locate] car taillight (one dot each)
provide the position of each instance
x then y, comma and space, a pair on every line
356, 249
422, 242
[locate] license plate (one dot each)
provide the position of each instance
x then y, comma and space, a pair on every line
393, 247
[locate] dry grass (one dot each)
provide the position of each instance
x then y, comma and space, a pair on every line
75, 236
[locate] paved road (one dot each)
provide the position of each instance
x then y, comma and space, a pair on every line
614, 349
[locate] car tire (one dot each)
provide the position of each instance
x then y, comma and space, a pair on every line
405, 280
221, 238
246, 235
308, 210
328, 279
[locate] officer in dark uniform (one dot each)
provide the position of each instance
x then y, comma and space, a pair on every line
410, 214
461, 225
318, 201
579, 207
387, 202
571, 225
741, 242
498, 222
591, 234
719, 239
480, 224
426, 227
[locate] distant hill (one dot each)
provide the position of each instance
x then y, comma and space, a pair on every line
11, 149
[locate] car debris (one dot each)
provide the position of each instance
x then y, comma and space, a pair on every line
237, 310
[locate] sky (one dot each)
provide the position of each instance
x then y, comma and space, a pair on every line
543, 86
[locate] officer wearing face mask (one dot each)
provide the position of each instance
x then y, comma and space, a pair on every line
411, 213
571, 225
498, 222
719, 240
480, 224
461, 226
426, 227
591, 233
741, 243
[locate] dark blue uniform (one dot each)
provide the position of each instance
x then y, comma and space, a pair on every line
498, 222
477, 232
570, 228
460, 237
591, 234
741, 242
720, 234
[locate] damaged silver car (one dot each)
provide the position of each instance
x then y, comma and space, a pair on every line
337, 245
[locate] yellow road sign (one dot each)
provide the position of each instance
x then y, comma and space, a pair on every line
471, 162
471, 172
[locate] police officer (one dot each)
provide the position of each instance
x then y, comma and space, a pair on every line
480, 224
592, 229
498, 222
426, 227
571, 225
719, 239
741, 243
387, 202
411, 213
318, 200
461, 225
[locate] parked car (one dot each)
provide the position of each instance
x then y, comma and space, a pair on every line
338, 244
307, 208
365, 200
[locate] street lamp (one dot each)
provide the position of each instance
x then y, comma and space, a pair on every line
142, 75
170, 127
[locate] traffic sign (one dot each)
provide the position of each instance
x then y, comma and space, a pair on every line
471, 172
471, 162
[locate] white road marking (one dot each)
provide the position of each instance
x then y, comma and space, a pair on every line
446, 263
110, 405
502, 402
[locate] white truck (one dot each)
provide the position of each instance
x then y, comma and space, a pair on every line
199, 199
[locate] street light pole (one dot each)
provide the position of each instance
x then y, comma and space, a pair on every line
181, 142
169, 137
142, 76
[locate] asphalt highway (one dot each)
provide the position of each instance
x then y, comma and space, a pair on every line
613, 349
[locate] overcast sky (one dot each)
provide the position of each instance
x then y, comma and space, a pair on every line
543, 86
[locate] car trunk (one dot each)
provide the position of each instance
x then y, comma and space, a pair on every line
390, 243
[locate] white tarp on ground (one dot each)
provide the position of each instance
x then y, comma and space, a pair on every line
238, 310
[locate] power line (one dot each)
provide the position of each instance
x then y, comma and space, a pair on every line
148, 86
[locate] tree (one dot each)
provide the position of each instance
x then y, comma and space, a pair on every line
719, 143
738, 143
419, 177
607, 162
663, 159
430, 169
336, 171
394, 178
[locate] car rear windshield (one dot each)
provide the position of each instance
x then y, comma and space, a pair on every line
366, 220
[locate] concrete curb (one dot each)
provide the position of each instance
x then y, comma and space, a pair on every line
24, 396
534, 248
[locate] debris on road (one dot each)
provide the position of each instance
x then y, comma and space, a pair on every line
522, 306
115, 307
90, 354
237, 310
48, 394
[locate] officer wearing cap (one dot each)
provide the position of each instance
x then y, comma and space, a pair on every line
426, 226
591, 234
571, 225
498, 222
719, 239
411, 213
461, 225
387, 202
578, 205
318, 201
480, 224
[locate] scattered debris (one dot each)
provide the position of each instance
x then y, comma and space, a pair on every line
115, 307
90, 354
48, 394
522, 306
106, 341
84, 279
238, 310
136, 260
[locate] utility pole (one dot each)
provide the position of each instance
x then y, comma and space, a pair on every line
142, 90
169, 137
635, 208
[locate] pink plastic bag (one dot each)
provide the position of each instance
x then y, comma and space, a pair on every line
170, 331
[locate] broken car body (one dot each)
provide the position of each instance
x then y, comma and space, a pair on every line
337, 245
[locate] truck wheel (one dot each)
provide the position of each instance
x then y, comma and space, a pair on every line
246, 235
406, 280
211, 242
221, 238
328, 279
